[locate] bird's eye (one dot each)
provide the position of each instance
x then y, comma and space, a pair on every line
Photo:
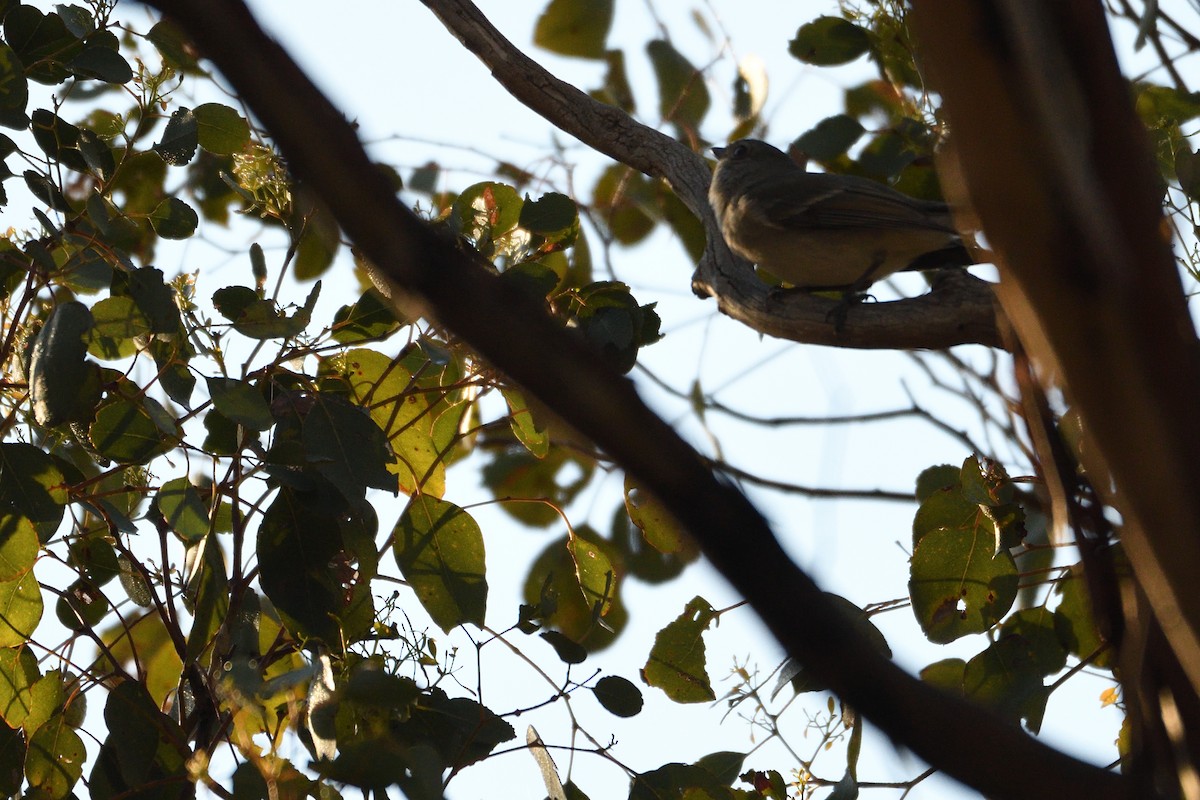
740, 150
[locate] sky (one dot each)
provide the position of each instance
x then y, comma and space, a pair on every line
418, 96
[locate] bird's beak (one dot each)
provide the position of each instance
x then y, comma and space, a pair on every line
719, 152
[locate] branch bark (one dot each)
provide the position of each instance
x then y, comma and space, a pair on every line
955, 312
1058, 168
515, 335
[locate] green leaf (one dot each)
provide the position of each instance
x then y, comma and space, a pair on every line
1005, 678
651, 517
102, 64
18, 673
261, 319
221, 434
518, 473
184, 510
78, 20
180, 139
1187, 171
1033, 630
595, 572
389, 392
522, 424
174, 219
320, 239
724, 765
174, 47
81, 606
369, 318
157, 659
18, 545
32, 486
42, 42
240, 402
14, 89
574, 27
616, 90
625, 198
682, 94
117, 323
20, 609
828, 41
208, 590
677, 663
486, 212
439, 549
45, 190
220, 129
62, 386
552, 215
133, 431
1076, 625
677, 780
618, 696
298, 539
960, 584
555, 598
55, 759
96, 153
346, 445
57, 138
931, 479
144, 755
830, 138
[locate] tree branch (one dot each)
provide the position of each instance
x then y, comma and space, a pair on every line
1058, 167
516, 335
956, 312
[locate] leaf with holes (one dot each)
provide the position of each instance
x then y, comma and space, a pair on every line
959, 583
677, 662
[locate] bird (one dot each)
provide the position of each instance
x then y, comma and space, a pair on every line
820, 231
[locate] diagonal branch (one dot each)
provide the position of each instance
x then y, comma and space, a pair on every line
958, 312
517, 336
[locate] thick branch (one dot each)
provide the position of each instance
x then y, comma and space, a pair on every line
1058, 168
955, 314
515, 334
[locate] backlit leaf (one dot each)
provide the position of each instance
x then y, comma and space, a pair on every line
574, 27
677, 663
439, 549
960, 584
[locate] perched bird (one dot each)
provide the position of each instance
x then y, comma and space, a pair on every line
819, 231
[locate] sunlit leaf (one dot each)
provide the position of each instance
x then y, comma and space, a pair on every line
20, 609
55, 759
18, 673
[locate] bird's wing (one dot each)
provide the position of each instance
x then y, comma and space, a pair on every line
843, 202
